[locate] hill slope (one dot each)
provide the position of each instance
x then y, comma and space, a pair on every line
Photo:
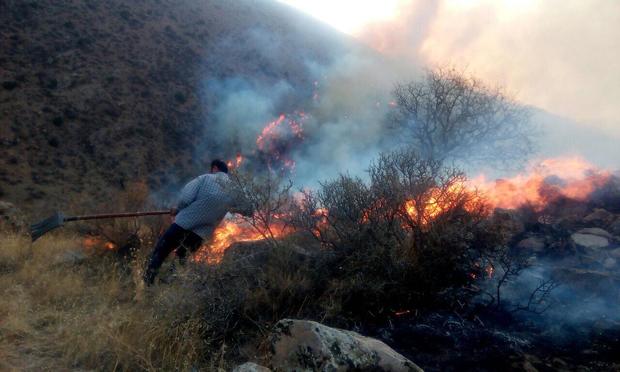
96, 94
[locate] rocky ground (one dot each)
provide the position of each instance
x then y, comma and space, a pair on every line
573, 245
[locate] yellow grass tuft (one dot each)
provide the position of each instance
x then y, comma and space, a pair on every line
56, 314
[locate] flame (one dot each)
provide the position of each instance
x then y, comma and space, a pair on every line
269, 132
233, 230
568, 177
278, 137
489, 270
94, 242
89, 242
435, 202
572, 178
235, 163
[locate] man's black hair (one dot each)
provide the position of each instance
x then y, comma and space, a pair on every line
220, 165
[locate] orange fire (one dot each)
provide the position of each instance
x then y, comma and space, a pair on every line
235, 163
436, 202
93, 242
489, 270
278, 138
573, 178
429, 210
233, 230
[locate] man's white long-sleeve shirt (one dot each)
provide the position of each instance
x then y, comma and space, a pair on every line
203, 203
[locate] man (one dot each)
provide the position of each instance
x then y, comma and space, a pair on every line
202, 205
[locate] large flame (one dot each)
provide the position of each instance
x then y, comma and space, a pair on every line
549, 179
233, 230
572, 178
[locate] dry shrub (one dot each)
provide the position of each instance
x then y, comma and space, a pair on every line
262, 201
127, 235
412, 236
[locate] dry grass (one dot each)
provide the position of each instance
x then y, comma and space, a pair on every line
57, 315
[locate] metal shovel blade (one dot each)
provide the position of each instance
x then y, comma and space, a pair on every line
40, 228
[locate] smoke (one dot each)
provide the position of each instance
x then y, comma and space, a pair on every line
243, 109
344, 88
403, 37
582, 297
559, 56
343, 99
349, 111
344, 92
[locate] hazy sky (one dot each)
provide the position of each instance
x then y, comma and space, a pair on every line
560, 55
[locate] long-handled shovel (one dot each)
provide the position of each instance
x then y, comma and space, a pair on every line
58, 219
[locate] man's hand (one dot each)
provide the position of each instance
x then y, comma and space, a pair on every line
173, 211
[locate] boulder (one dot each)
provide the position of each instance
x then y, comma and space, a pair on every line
609, 263
596, 231
589, 242
615, 227
250, 367
11, 218
257, 253
590, 281
302, 345
533, 244
615, 253
599, 217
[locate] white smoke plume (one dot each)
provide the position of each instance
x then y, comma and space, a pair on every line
558, 56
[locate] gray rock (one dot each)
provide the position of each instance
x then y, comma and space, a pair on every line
591, 281
609, 263
301, 345
589, 241
599, 216
250, 367
257, 253
615, 227
615, 253
596, 231
534, 244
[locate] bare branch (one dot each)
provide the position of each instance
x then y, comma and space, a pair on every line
450, 116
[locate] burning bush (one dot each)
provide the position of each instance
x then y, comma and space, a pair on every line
262, 213
124, 235
413, 235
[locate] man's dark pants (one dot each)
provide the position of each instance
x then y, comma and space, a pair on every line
177, 238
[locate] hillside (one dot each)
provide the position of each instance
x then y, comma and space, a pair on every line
97, 94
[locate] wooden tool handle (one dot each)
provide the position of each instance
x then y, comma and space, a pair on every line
115, 215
